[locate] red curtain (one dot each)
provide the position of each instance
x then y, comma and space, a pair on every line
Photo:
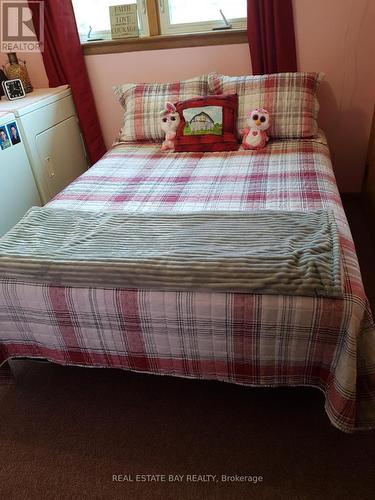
270, 30
64, 63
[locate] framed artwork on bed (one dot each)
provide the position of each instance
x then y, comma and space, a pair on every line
207, 124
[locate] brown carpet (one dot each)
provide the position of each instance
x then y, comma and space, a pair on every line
64, 432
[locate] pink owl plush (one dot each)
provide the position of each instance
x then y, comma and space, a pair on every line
254, 136
170, 121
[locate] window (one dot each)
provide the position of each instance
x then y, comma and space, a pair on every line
160, 16
93, 22
189, 16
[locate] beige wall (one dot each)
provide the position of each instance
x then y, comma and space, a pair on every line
333, 36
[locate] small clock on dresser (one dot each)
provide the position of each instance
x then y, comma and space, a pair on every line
14, 89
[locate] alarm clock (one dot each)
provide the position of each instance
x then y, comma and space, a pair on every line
14, 89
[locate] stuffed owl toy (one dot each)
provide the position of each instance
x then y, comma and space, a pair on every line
170, 121
254, 136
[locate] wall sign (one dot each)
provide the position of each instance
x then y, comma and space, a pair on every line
124, 20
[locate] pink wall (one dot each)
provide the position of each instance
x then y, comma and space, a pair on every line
333, 36
156, 66
338, 38
35, 68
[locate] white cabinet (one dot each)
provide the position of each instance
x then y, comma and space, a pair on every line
18, 191
47, 120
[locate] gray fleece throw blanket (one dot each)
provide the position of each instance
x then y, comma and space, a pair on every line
269, 252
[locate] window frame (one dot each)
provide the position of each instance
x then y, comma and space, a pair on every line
154, 21
160, 42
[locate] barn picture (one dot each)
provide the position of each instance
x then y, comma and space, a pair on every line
203, 120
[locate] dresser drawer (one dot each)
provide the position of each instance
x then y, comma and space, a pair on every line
48, 116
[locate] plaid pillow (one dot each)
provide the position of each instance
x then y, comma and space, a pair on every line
290, 99
144, 101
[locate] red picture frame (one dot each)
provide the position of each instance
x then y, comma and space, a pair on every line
227, 141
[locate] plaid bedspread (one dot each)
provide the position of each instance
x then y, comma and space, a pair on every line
251, 339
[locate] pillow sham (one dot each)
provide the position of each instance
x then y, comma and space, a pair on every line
143, 101
207, 124
290, 98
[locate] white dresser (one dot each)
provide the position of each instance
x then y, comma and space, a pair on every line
49, 126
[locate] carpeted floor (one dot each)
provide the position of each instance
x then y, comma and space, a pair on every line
65, 432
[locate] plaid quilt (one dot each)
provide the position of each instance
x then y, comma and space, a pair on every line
250, 339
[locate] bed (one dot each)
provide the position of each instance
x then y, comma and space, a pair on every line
250, 339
